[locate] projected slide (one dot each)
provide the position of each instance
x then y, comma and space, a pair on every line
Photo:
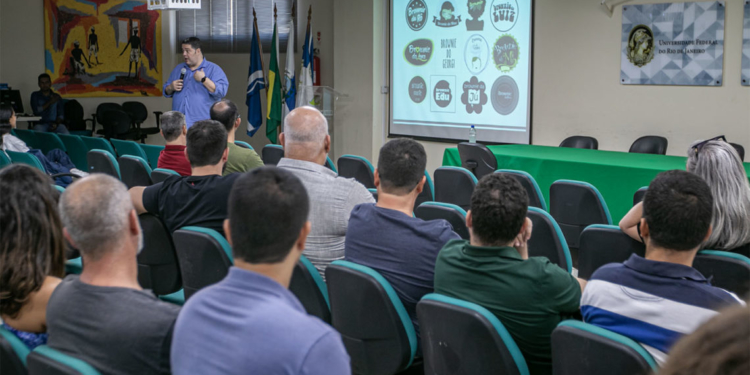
460, 63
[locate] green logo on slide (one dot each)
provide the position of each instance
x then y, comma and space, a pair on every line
418, 52
505, 52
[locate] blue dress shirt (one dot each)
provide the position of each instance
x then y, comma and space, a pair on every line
52, 113
195, 101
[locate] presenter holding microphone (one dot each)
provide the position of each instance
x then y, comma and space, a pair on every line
196, 84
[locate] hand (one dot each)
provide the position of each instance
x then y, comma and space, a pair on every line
176, 85
55, 98
521, 241
198, 75
52, 127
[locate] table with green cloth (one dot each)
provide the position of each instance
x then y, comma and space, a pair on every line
617, 175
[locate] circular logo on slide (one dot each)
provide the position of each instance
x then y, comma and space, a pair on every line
417, 89
504, 14
476, 54
505, 53
416, 14
504, 95
474, 96
442, 94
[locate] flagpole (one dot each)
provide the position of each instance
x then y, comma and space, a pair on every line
257, 36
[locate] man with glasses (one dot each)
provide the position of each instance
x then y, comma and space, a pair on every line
195, 84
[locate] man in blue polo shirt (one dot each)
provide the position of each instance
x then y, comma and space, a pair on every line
656, 300
250, 323
202, 84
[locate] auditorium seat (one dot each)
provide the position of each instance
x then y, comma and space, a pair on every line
244, 145
76, 150
124, 147
536, 199
102, 161
152, 154
49, 141
454, 185
13, 353
650, 144
581, 348
726, 270
74, 266
158, 268
454, 215
477, 158
4, 160
604, 244
463, 338
26, 158
358, 168
160, 174
93, 143
639, 195
428, 191
330, 165
204, 257
47, 361
271, 154
580, 141
28, 136
374, 193
547, 239
374, 325
135, 171
740, 150
310, 290
576, 205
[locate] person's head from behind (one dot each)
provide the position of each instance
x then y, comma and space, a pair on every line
99, 219
225, 112
45, 82
401, 167
267, 224
676, 212
32, 246
191, 51
719, 164
173, 127
7, 118
206, 144
305, 135
721, 346
498, 211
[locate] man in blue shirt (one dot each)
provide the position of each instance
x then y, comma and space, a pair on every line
203, 84
387, 238
48, 105
656, 300
250, 323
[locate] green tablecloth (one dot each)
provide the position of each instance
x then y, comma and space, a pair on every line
617, 175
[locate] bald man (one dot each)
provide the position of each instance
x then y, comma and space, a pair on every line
306, 145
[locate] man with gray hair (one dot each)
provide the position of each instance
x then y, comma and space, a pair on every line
306, 145
174, 131
103, 316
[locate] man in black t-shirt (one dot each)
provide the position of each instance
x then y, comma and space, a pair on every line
197, 200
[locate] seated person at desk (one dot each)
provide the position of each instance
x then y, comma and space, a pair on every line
48, 105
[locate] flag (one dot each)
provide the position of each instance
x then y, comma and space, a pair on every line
256, 81
273, 115
306, 74
290, 79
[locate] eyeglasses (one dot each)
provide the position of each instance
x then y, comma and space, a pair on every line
698, 147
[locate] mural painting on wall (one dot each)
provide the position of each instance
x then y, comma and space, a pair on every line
95, 48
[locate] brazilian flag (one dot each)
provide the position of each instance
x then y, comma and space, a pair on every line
273, 115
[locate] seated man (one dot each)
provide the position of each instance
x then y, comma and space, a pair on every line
656, 300
250, 323
174, 129
240, 159
200, 199
306, 144
49, 106
406, 255
529, 296
103, 316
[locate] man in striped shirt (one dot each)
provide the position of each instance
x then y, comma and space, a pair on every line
657, 299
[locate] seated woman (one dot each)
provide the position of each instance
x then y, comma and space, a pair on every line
720, 165
31, 251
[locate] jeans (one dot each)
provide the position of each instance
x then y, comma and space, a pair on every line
61, 129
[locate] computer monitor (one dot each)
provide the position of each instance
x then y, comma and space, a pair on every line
12, 97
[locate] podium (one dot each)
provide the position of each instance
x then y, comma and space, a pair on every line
326, 99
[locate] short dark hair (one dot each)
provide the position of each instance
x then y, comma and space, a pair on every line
194, 42
498, 209
43, 75
401, 166
206, 142
227, 114
677, 207
268, 207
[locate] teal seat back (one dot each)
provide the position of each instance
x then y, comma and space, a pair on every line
152, 154
160, 174
47, 361
576, 205
454, 215
374, 325
454, 185
581, 348
135, 171
4, 159
93, 143
124, 147
358, 168
28, 136
102, 161
74, 266
330, 165
76, 150
244, 145
428, 191
271, 154
460, 337
726, 270
536, 198
204, 256
49, 141
547, 239
59, 188
13, 352
310, 289
603, 244
26, 158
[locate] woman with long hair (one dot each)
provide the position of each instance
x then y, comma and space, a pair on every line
7, 123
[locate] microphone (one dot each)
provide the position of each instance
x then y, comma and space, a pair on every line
182, 73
